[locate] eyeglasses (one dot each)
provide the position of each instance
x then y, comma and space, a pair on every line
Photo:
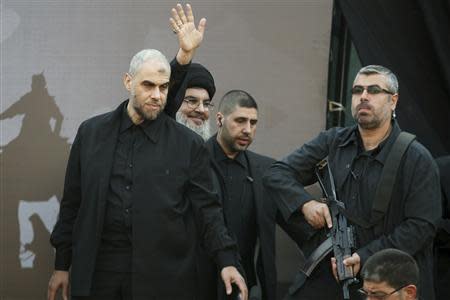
371, 90
193, 103
378, 296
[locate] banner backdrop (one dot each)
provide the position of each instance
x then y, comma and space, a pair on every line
63, 61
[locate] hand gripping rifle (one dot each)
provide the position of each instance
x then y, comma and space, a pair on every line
340, 237
342, 234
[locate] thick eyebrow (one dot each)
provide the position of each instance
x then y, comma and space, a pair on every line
245, 119
195, 98
190, 98
151, 83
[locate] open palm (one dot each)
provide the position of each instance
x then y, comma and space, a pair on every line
189, 37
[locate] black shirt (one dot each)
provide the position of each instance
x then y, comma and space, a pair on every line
414, 207
115, 247
239, 206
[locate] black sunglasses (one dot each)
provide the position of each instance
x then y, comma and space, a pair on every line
371, 89
378, 296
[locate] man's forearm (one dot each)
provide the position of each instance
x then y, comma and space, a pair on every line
185, 57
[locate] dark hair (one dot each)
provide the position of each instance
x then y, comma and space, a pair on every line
393, 266
235, 98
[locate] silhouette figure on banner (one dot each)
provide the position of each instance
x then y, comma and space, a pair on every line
33, 166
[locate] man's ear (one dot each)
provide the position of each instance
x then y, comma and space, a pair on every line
219, 119
410, 292
394, 99
127, 79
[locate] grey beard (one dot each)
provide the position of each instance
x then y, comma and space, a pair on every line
203, 130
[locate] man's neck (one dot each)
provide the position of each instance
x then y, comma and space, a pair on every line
230, 154
371, 138
134, 116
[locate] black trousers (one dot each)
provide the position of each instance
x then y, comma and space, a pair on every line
109, 286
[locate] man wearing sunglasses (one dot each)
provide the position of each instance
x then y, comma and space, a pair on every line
390, 274
357, 156
196, 95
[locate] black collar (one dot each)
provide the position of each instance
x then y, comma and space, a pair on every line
151, 128
219, 154
380, 153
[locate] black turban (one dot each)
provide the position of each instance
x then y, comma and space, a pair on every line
198, 76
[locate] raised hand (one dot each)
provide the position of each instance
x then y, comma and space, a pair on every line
189, 37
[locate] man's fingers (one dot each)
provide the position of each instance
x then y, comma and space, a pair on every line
227, 282
65, 291
181, 13
189, 14
351, 260
176, 17
51, 293
243, 288
202, 25
174, 25
334, 268
327, 216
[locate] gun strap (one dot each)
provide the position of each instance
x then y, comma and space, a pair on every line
310, 264
383, 192
386, 184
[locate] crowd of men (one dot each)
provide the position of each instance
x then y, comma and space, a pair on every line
155, 206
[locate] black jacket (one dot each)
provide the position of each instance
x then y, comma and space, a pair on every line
171, 197
409, 223
267, 216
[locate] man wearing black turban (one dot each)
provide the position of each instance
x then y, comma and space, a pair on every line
196, 97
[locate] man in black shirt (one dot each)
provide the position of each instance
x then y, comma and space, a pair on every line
137, 183
357, 156
249, 213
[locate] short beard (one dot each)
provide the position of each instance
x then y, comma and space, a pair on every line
203, 130
374, 123
145, 116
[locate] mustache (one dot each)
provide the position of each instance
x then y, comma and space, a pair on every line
364, 105
196, 114
154, 102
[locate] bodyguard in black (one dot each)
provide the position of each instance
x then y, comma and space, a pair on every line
249, 212
145, 185
357, 156
239, 205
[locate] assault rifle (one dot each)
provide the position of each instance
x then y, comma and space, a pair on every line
341, 234
340, 238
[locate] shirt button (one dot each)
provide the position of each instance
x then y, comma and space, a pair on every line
127, 211
130, 165
128, 187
